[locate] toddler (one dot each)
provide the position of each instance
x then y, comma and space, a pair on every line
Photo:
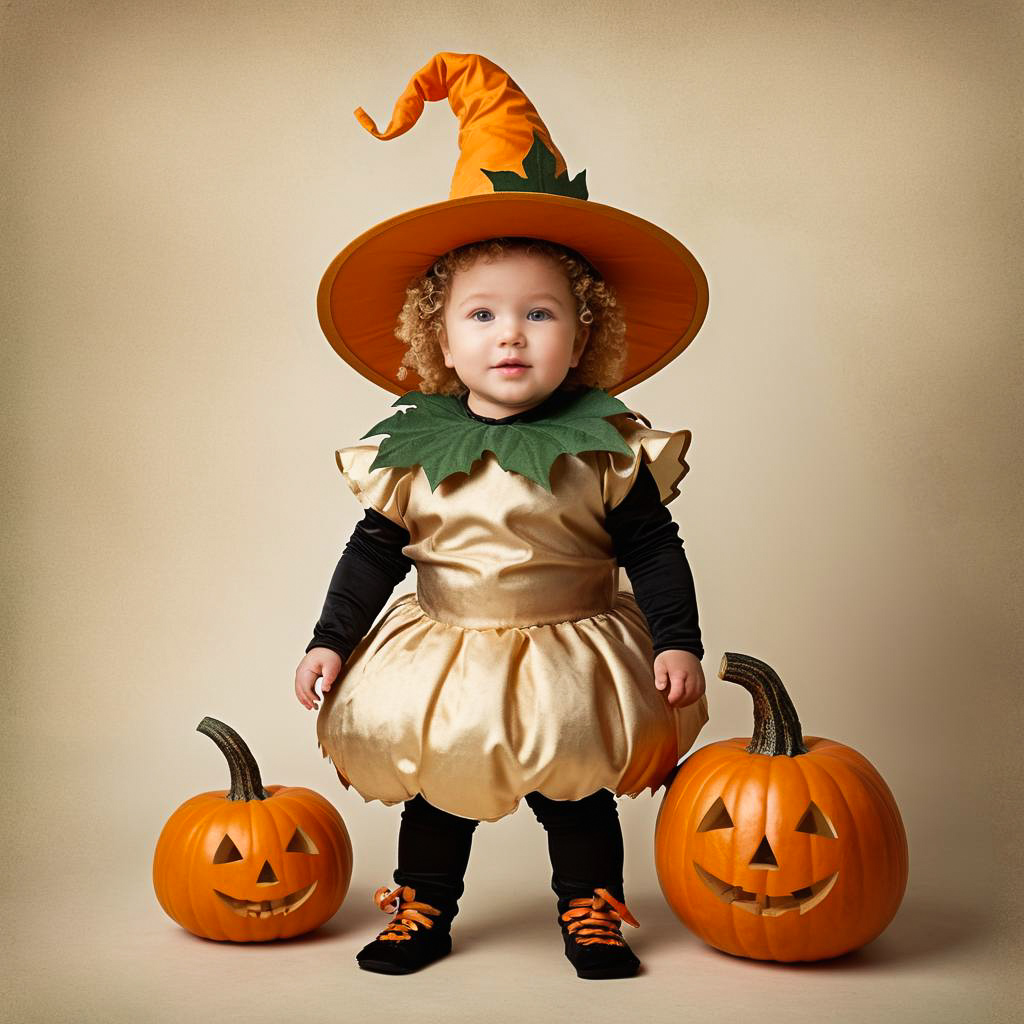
517, 485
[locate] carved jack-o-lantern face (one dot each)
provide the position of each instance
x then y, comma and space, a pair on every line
252, 863
782, 847
261, 903
813, 822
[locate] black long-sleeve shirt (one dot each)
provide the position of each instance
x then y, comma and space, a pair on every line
645, 541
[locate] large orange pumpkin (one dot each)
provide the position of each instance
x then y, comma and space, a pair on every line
777, 847
249, 864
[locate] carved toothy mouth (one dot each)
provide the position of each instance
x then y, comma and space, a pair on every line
768, 906
268, 908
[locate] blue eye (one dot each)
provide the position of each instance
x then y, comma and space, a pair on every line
476, 314
544, 312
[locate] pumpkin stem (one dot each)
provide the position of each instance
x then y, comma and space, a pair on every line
776, 726
246, 783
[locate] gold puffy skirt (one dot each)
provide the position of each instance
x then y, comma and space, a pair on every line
476, 718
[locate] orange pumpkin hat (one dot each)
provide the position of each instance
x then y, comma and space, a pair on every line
509, 180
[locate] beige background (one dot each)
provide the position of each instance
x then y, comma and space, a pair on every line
180, 174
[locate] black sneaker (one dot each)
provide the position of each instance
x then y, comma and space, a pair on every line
593, 941
418, 934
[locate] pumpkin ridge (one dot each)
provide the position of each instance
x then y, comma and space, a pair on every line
194, 883
852, 831
298, 810
737, 922
861, 769
815, 872
263, 823
768, 934
711, 770
191, 826
810, 769
884, 830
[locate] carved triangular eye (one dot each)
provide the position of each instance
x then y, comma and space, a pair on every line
815, 823
300, 843
226, 852
717, 817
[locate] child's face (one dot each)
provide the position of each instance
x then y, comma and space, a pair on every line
517, 307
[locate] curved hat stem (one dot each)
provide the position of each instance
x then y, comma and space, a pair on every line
497, 123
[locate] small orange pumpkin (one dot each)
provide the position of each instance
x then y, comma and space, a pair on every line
776, 848
250, 864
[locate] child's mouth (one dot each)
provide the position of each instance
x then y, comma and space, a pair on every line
512, 369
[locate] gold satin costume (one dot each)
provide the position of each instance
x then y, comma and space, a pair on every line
518, 664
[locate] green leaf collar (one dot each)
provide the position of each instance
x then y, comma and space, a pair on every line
439, 435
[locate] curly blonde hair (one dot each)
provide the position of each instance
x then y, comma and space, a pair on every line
421, 321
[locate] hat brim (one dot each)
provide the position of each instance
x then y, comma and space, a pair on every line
661, 287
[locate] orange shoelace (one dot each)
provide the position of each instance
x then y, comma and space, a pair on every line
410, 913
589, 918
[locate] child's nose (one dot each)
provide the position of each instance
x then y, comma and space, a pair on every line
512, 331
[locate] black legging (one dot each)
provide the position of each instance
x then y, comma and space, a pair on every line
584, 843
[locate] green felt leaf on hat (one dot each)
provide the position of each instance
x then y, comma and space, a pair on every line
438, 435
539, 168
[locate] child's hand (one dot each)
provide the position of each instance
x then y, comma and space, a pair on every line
318, 662
680, 671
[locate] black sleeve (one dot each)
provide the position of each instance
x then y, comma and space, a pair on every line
647, 545
370, 568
